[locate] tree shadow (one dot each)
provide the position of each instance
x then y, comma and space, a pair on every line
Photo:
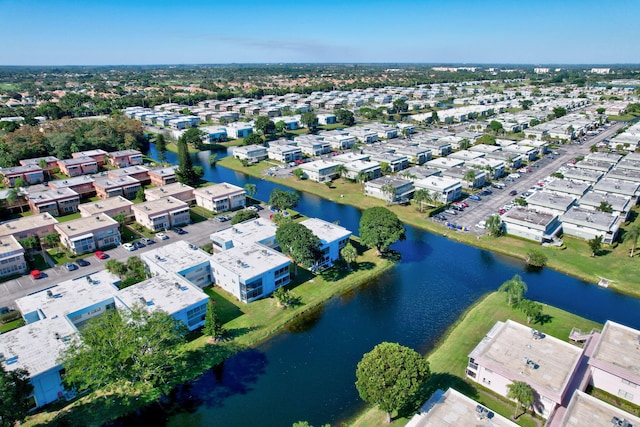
362, 266
543, 319
392, 255
306, 321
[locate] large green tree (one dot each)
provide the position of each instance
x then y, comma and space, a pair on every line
298, 242
380, 228
515, 288
253, 139
243, 215
161, 147
390, 375
125, 351
194, 137
310, 120
345, 117
523, 394
15, 389
281, 199
264, 125
213, 326
185, 172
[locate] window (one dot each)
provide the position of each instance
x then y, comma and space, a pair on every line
625, 395
629, 383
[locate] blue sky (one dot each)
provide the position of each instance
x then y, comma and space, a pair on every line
91, 32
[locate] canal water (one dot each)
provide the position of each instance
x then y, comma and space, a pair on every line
308, 371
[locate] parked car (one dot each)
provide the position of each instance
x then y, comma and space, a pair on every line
475, 197
36, 274
162, 236
146, 241
69, 266
83, 262
138, 244
501, 211
498, 185
100, 255
458, 208
440, 217
179, 230
513, 192
129, 246
451, 212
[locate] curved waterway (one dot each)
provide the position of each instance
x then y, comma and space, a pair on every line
308, 371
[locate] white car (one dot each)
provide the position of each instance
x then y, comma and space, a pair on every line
162, 236
129, 247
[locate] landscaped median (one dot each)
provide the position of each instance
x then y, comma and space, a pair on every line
448, 360
247, 326
575, 258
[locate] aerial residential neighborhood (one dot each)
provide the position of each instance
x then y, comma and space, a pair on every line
391, 213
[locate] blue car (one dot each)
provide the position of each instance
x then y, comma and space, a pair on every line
474, 197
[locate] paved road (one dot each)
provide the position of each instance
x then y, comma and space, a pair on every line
197, 233
481, 210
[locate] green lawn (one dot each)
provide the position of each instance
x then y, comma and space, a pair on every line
449, 358
69, 217
6, 327
38, 263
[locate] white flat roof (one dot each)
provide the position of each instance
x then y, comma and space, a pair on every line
27, 223
326, 231
250, 261
176, 256
509, 345
36, 347
454, 409
165, 204
247, 232
168, 190
86, 225
167, 292
585, 410
9, 246
218, 190
617, 350
105, 205
71, 295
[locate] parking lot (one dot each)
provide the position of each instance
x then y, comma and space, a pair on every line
480, 210
197, 233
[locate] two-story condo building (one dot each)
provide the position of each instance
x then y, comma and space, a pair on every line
12, 261
220, 197
88, 234
125, 158
63, 201
162, 214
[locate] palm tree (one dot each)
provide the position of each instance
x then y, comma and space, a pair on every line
390, 192
350, 254
632, 235
515, 288
470, 177
362, 177
341, 170
595, 245
420, 196
13, 195
523, 394
494, 225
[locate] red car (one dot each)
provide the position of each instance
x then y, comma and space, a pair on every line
101, 255
36, 274
501, 211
